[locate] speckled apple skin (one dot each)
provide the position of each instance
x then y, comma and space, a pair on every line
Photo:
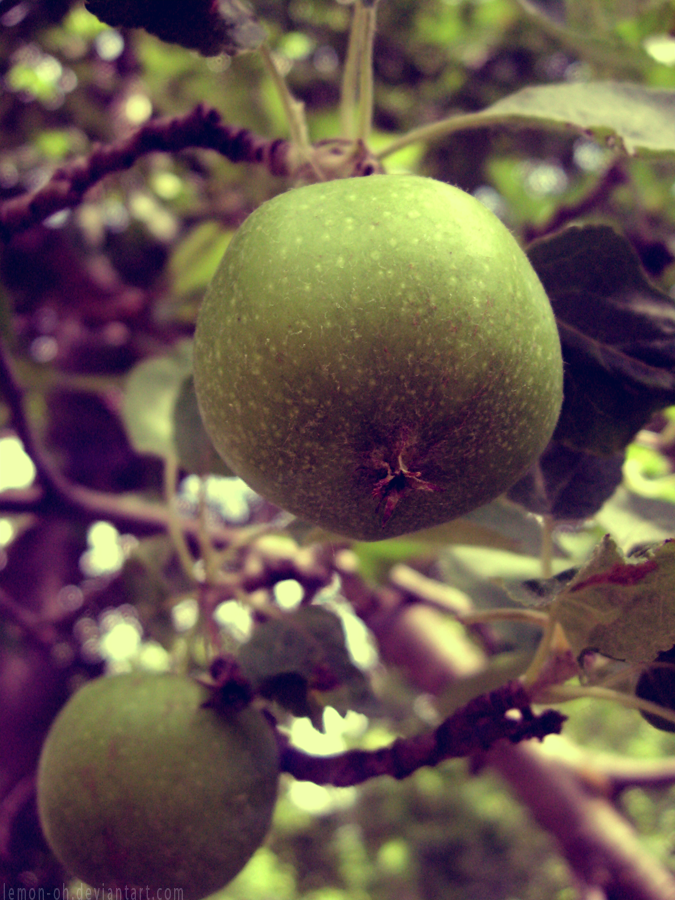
361, 329
139, 786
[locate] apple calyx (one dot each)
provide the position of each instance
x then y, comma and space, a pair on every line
401, 478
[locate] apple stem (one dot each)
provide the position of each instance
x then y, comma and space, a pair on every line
174, 526
208, 553
548, 528
357, 83
542, 653
365, 120
563, 693
350, 78
437, 130
294, 109
529, 616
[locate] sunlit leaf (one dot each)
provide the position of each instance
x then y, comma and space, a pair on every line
636, 521
150, 398
195, 258
630, 117
621, 607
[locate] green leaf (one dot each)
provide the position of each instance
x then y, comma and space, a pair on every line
506, 526
621, 607
568, 484
150, 396
499, 669
195, 259
499, 525
161, 414
539, 592
195, 451
629, 117
301, 661
143, 582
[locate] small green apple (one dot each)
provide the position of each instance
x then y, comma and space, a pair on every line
377, 355
139, 785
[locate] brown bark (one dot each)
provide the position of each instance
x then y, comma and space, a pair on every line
600, 846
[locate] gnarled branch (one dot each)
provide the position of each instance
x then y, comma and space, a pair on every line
474, 728
200, 128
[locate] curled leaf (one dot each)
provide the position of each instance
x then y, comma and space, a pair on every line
622, 607
295, 658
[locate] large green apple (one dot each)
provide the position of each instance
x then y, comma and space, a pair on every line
139, 785
377, 355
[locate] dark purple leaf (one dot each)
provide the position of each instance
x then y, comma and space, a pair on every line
209, 26
299, 654
657, 684
568, 484
617, 332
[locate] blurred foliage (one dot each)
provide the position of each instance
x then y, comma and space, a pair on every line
99, 290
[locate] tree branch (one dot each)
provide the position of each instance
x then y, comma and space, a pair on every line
200, 128
10, 806
613, 176
599, 844
55, 495
476, 727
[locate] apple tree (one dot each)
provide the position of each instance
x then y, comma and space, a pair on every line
337, 378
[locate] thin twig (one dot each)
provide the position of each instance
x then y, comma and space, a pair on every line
612, 177
174, 524
10, 805
294, 109
562, 693
42, 633
12, 392
435, 131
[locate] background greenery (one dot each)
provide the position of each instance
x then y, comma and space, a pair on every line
118, 280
